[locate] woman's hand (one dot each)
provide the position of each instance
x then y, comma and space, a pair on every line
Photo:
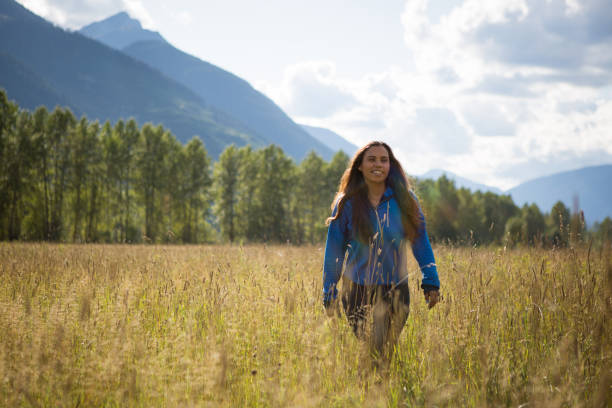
332, 308
432, 297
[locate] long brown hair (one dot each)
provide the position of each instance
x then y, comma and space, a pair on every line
353, 187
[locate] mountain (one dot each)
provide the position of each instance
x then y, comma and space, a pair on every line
588, 185
220, 89
460, 182
30, 89
48, 65
331, 139
119, 31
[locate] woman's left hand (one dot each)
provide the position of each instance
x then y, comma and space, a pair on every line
432, 297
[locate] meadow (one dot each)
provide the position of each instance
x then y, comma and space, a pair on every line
113, 325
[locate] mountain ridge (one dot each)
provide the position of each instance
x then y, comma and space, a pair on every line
43, 64
226, 92
119, 31
460, 182
331, 139
584, 183
105, 84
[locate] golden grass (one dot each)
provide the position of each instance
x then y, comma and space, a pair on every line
97, 325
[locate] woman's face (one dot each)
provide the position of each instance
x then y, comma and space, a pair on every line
375, 165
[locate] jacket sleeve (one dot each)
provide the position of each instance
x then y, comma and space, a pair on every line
335, 248
421, 248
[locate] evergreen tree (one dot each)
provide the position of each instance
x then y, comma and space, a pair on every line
246, 207
128, 136
36, 225
496, 211
534, 224
173, 195
514, 231
59, 126
8, 121
95, 179
602, 232
441, 202
333, 174
311, 197
577, 227
85, 159
275, 176
558, 224
469, 222
193, 195
226, 189
17, 160
112, 182
151, 178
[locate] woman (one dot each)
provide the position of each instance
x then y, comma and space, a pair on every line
374, 215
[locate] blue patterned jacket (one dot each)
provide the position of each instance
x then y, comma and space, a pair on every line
382, 261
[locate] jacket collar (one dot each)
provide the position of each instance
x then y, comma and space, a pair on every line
387, 194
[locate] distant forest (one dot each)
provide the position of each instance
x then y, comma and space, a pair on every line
64, 179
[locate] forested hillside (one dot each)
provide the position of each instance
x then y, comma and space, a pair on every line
586, 188
220, 89
66, 179
45, 65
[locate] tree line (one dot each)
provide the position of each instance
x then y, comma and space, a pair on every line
68, 180
64, 179
460, 216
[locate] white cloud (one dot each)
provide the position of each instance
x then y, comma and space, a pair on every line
439, 130
138, 10
45, 9
538, 73
311, 89
487, 119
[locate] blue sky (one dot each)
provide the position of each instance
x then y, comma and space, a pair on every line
499, 91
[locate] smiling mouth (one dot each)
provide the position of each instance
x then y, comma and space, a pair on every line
377, 172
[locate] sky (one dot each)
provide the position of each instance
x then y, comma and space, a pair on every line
499, 92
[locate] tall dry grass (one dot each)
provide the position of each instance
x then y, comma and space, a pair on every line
244, 326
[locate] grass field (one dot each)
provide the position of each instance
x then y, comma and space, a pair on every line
96, 325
